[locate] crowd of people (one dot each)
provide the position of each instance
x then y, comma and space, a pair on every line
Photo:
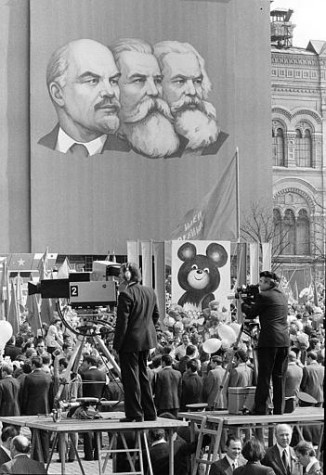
179, 372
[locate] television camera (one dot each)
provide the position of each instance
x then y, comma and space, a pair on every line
248, 294
85, 293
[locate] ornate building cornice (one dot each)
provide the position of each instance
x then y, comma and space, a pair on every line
298, 60
296, 90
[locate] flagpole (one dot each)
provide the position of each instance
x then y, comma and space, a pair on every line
237, 188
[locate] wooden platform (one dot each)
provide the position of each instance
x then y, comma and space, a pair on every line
110, 423
214, 422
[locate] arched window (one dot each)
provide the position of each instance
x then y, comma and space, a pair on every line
289, 234
303, 233
278, 148
303, 148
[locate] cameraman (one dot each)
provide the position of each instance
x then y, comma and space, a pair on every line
273, 343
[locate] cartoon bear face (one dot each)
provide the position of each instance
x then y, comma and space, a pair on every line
200, 273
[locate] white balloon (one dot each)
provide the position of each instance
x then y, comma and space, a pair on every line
226, 333
5, 332
212, 345
236, 327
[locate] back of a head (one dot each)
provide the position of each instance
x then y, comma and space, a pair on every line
37, 361
21, 444
8, 433
241, 355
167, 360
192, 365
131, 272
253, 450
46, 359
7, 367
190, 350
156, 434
92, 360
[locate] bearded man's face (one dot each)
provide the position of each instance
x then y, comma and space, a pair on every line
146, 120
182, 88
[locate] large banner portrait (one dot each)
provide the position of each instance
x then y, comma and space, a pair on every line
200, 273
136, 110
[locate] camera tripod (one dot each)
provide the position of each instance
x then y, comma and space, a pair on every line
89, 319
226, 377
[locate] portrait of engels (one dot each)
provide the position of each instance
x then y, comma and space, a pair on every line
131, 96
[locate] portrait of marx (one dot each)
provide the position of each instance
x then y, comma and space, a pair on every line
131, 95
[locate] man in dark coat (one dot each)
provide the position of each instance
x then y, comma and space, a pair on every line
37, 398
168, 387
273, 344
7, 434
21, 463
94, 382
12, 350
9, 392
192, 385
135, 335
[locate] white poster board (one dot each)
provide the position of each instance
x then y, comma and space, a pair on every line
200, 273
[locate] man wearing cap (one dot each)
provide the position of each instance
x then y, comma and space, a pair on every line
242, 374
273, 343
215, 397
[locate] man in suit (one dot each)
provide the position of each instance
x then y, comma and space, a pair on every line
7, 434
37, 398
11, 349
168, 388
227, 464
21, 463
192, 385
215, 397
185, 87
313, 378
82, 80
273, 343
94, 382
293, 376
281, 457
9, 392
135, 335
241, 375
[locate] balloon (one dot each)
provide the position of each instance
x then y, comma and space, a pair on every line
236, 327
212, 345
226, 333
5, 332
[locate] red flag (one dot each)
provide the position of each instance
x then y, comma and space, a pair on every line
63, 272
4, 291
13, 314
216, 215
43, 266
33, 316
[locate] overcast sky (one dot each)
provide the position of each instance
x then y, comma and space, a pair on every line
309, 17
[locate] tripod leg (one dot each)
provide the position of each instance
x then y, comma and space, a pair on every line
106, 352
66, 376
